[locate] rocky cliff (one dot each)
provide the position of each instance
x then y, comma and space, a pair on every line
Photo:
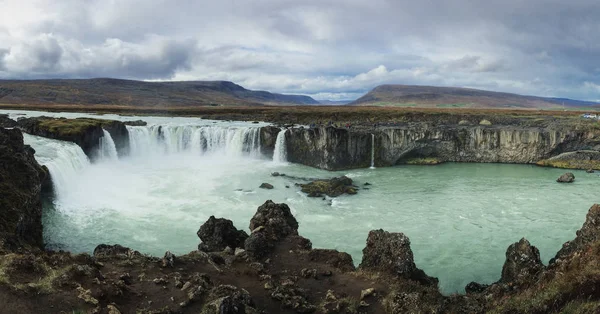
335, 148
84, 132
21, 179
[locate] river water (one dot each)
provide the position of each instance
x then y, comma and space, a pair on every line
460, 217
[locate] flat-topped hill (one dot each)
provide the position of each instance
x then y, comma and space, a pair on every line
456, 97
117, 92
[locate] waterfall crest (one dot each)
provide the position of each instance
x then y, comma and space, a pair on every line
171, 139
107, 149
64, 159
280, 152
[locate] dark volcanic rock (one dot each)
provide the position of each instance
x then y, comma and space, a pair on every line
120, 135
268, 137
474, 287
332, 187
107, 250
522, 262
340, 260
329, 148
84, 132
391, 253
227, 299
271, 223
6, 122
589, 233
136, 123
218, 233
21, 180
566, 178
267, 186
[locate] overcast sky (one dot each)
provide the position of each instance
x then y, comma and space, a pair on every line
329, 49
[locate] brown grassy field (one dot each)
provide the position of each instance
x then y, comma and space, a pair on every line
340, 115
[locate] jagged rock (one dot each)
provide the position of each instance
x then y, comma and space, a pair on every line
366, 293
474, 287
218, 233
566, 178
112, 309
275, 174
309, 273
522, 261
86, 296
21, 180
106, 250
6, 122
294, 298
271, 223
267, 186
340, 260
333, 187
590, 171
589, 233
168, 260
391, 253
227, 299
136, 123
410, 302
268, 137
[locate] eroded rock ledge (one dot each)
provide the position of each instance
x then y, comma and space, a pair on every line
84, 132
333, 148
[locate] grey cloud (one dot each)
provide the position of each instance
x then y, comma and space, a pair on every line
329, 48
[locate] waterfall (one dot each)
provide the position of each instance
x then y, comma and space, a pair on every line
280, 152
64, 159
372, 151
172, 139
107, 149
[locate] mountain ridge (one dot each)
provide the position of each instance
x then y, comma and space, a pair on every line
111, 91
421, 95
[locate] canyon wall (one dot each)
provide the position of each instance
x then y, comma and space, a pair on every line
336, 149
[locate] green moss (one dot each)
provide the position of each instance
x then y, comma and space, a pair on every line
423, 161
66, 127
571, 164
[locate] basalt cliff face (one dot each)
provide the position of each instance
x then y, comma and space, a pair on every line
336, 148
84, 132
21, 179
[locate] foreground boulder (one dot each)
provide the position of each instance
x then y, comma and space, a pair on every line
271, 223
566, 178
522, 262
218, 233
391, 253
333, 187
21, 180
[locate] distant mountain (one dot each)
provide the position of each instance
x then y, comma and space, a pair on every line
335, 102
431, 96
108, 91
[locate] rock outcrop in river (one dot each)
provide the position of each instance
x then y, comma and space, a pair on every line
84, 132
336, 148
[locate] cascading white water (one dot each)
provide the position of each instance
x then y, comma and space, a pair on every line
280, 152
170, 139
107, 149
372, 151
65, 160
